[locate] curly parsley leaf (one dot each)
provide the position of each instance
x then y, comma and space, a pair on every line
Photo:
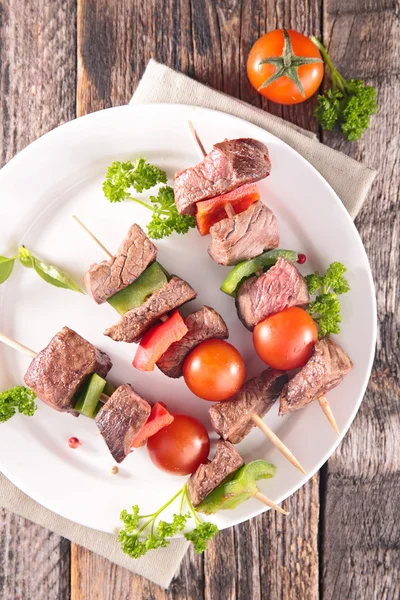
142, 532
166, 219
350, 103
201, 535
19, 399
325, 308
121, 176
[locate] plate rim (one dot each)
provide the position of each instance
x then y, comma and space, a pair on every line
36, 144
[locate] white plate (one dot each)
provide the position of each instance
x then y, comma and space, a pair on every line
61, 174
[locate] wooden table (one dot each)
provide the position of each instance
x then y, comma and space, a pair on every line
60, 59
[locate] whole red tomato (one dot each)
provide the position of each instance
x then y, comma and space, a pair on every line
285, 66
180, 447
286, 339
214, 370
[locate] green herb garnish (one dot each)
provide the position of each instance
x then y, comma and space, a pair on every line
325, 308
349, 103
19, 399
136, 542
141, 175
49, 273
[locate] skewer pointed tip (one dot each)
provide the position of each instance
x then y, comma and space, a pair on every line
324, 404
265, 500
277, 443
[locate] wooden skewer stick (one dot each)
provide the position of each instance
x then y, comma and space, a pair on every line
16, 345
201, 150
261, 498
94, 239
256, 419
324, 404
277, 442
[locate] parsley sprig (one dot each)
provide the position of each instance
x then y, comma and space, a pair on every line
349, 103
19, 399
325, 308
135, 542
121, 177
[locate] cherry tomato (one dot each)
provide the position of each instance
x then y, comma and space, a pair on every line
285, 340
180, 447
284, 90
214, 370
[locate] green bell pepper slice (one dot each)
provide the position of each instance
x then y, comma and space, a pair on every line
151, 280
89, 396
250, 267
237, 488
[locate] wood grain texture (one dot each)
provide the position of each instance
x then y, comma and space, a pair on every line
266, 558
37, 93
361, 530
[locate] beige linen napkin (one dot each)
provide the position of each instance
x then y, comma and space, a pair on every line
350, 180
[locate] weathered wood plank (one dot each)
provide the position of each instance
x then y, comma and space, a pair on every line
360, 543
266, 558
37, 93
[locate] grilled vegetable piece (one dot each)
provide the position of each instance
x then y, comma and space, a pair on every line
157, 340
202, 325
232, 419
89, 396
58, 371
209, 476
238, 488
282, 286
245, 269
244, 236
209, 212
151, 280
159, 418
325, 370
136, 322
105, 279
229, 165
121, 419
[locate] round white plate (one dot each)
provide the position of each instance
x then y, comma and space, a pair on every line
60, 175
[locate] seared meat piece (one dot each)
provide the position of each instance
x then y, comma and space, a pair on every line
105, 279
230, 164
324, 370
282, 286
244, 236
207, 477
232, 419
121, 419
202, 325
135, 322
57, 372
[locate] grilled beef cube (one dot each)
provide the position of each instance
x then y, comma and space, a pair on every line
105, 279
244, 236
202, 325
135, 322
229, 165
232, 419
208, 477
282, 286
121, 419
58, 371
323, 371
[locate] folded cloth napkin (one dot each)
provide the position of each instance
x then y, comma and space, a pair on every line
349, 179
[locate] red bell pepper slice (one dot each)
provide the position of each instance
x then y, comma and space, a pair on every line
157, 340
159, 418
209, 212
